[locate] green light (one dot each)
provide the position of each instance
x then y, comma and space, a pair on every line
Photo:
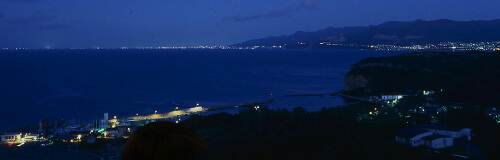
101, 131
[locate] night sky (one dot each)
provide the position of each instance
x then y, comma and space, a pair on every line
114, 23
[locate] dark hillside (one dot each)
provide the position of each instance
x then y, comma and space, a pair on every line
467, 76
392, 32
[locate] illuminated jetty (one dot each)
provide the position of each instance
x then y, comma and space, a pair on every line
177, 113
249, 104
172, 114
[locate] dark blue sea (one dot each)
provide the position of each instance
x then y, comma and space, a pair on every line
80, 85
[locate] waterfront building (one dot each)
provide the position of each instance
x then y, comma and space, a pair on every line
11, 137
392, 96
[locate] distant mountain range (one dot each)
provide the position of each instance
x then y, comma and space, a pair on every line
392, 32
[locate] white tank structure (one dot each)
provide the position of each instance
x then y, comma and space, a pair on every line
104, 121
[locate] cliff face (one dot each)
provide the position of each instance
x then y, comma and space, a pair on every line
356, 79
353, 82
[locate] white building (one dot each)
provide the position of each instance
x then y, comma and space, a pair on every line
11, 137
455, 132
422, 137
412, 136
437, 141
392, 96
104, 121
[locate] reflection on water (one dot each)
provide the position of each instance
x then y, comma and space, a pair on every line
81, 85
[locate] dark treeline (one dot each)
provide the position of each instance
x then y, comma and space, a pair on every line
332, 133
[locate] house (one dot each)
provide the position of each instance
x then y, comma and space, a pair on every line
455, 132
437, 141
11, 137
412, 136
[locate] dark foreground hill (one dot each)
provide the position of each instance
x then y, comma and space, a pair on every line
393, 32
331, 133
